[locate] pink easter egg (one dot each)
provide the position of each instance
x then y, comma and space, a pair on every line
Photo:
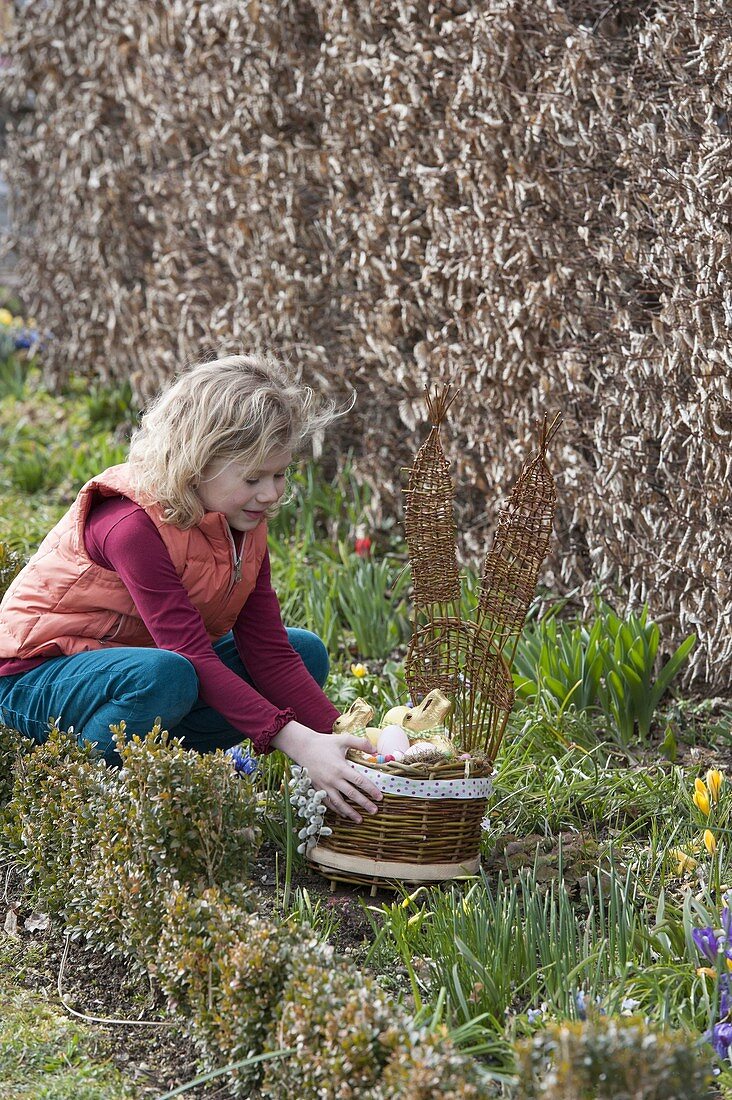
392, 739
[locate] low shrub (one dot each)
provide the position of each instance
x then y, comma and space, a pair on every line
223, 968
429, 1067
611, 1058
11, 747
51, 824
177, 818
343, 1028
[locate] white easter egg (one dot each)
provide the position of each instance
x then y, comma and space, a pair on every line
392, 739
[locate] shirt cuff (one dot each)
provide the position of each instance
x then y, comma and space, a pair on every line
262, 743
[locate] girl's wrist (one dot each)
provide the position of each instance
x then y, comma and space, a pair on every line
291, 739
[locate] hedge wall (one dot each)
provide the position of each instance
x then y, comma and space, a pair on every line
529, 196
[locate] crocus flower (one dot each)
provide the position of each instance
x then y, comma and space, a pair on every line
709, 842
706, 942
684, 862
362, 546
701, 797
244, 763
727, 916
714, 783
721, 1039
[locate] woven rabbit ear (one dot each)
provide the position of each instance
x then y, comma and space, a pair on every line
429, 515
511, 568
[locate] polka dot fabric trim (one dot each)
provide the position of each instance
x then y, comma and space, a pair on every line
426, 788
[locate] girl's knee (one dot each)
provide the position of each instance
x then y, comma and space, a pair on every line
313, 653
164, 683
179, 677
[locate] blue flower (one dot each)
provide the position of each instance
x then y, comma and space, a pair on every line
706, 943
25, 339
721, 1039
244, 763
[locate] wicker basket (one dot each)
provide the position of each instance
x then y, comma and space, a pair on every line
429, 836
428, 825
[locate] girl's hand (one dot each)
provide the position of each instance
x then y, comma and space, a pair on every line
324, 756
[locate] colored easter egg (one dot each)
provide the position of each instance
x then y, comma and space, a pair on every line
393, 739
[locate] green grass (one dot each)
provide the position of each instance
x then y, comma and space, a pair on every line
44, 1056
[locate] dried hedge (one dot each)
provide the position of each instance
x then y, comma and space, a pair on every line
531, 196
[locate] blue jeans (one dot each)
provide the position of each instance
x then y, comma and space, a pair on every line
91, 691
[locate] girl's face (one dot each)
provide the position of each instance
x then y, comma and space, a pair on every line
243, 494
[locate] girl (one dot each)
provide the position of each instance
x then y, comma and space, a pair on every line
152, 595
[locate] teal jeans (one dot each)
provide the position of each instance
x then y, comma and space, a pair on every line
91, 691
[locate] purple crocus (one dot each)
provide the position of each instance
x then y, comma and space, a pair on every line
707, 943
721, 1039
244, 763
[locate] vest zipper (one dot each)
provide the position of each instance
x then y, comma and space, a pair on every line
236, 574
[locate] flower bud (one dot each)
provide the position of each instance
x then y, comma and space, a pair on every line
714, 783
709, 842
701, 797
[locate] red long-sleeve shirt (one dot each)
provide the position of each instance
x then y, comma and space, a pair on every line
119, 535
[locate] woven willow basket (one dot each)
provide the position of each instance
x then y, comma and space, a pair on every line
428, 825
410, 839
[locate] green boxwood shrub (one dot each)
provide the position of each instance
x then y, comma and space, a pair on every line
150, 860
223, 968
59, 796
428, 1067
12, 746
611, 1058
343, 1028
177, 818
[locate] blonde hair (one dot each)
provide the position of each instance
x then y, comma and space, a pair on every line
241, 408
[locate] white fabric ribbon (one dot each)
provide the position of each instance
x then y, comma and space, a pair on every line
426, 788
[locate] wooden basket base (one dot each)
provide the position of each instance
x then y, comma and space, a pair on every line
344, 867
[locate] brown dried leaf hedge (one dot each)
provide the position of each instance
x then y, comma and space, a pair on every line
529, 197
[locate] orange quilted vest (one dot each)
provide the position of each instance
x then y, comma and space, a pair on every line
63, 603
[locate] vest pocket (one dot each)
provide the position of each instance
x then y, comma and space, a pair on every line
114, 627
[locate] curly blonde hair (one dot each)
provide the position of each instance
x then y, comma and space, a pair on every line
241, 408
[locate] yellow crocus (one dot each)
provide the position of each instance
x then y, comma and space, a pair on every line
701, 797
710, 842
6, 317
359, 671
715, 779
